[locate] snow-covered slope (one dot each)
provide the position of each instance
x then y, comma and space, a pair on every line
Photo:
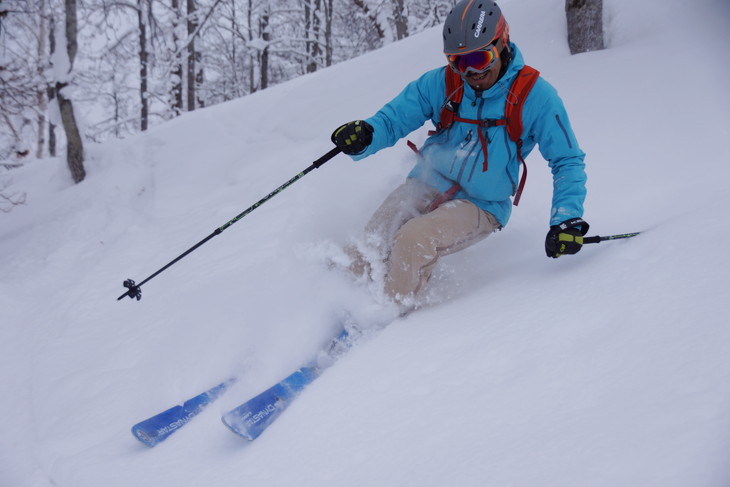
608, 368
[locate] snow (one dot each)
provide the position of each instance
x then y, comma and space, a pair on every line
606, 368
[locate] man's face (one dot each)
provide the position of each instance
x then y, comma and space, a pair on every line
484, 81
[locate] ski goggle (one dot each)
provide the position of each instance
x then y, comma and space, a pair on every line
474, 62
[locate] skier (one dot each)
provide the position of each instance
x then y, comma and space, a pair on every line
460, 190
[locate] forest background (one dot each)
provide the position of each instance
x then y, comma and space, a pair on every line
74, 72
137, 63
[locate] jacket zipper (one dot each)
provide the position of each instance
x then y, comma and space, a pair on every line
486, 136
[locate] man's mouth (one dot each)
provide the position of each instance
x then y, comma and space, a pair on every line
479, 76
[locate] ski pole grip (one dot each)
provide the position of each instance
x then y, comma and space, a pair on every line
597, 239
320, 162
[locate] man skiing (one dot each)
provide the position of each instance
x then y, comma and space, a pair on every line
460, 190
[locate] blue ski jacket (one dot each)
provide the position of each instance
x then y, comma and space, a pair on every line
455, 155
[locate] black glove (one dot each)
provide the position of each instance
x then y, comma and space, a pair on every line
566, 238
353, 137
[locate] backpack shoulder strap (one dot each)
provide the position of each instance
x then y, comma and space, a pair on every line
521, 86
520, 89
454, 95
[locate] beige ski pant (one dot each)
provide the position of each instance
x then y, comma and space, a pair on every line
410, 239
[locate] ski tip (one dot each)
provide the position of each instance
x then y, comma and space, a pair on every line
237, 428
143, 437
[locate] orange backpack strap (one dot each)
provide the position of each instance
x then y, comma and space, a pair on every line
521, 86
450, 107
454, 94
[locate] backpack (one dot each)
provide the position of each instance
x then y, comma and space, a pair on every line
521, 86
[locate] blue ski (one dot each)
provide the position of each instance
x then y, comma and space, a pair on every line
251, 418
157, 428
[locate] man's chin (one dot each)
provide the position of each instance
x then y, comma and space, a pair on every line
481, 81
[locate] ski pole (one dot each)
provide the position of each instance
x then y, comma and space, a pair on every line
135, 291
599, 239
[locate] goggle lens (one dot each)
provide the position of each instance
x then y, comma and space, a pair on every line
477, 61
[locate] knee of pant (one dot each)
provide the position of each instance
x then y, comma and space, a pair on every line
359, 265
416, 235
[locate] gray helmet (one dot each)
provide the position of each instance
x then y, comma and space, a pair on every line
473, 25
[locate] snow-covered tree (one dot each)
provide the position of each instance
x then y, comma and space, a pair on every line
140, 62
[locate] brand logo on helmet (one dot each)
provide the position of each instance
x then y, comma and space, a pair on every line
480, 23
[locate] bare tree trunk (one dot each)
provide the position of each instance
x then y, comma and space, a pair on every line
74, 144
199, 99
585, 25
328, 33
51, 126
266, 36
51, 89
251, 57
192, 54
41, 94
143, 60
41, 125
312, 32
177, 72
308, 14
401, 20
